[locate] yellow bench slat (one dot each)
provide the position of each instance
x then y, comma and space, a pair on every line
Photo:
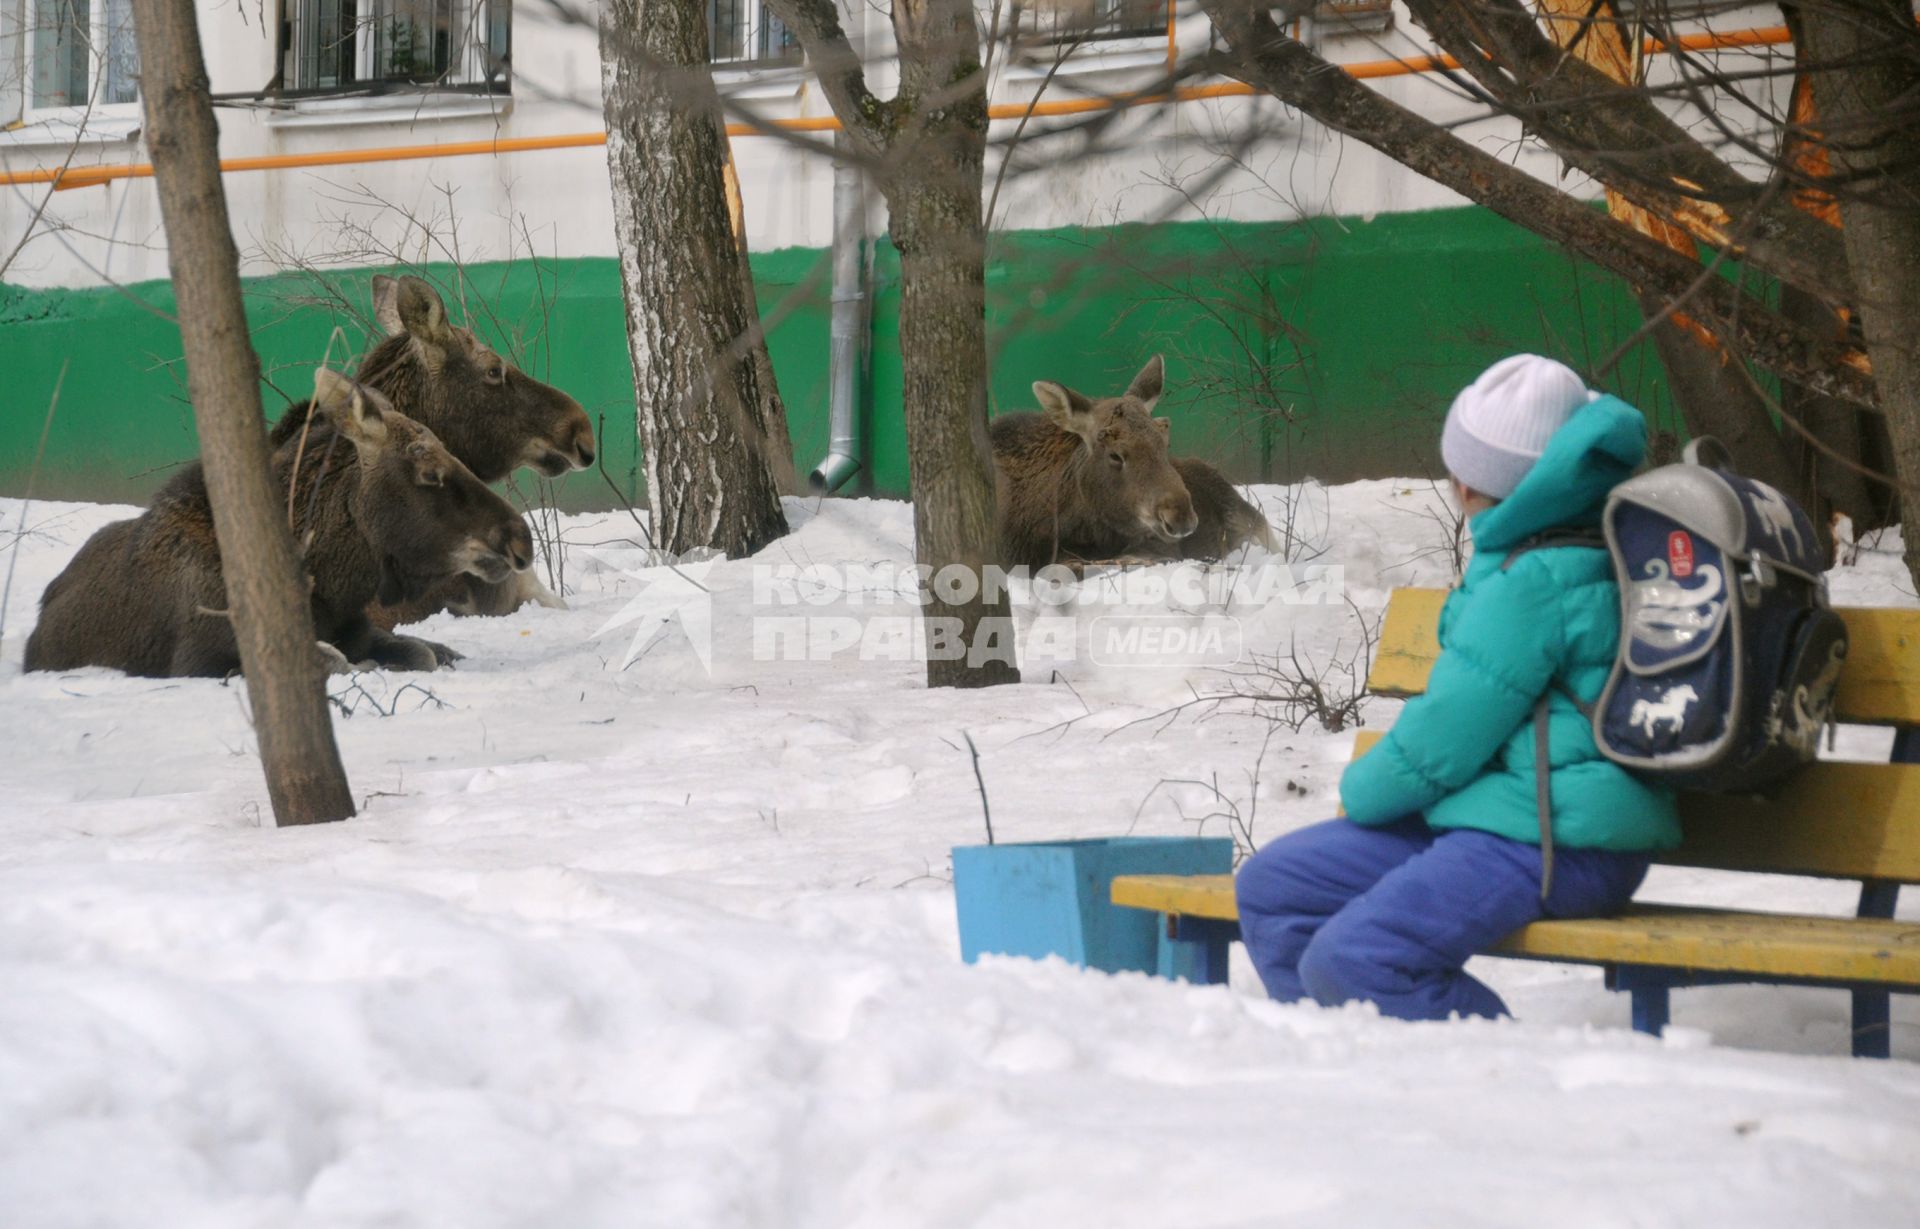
1880, 685
1841, 820
1188, 895
1409, 641
1845, 821
1722, 941
1772, 944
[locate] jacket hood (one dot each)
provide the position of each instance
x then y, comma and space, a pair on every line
1597, 449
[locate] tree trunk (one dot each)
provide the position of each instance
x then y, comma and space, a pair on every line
1853, 433
933, 187
266, 589
943, 350
929, 146
704, 428
1844, 440
1714, 400
773, 409
1866, 122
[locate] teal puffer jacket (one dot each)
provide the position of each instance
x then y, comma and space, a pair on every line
1463, 753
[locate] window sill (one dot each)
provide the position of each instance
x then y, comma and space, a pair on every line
765, 82
62, 133
390, 109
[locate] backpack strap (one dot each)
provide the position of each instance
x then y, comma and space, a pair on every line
1542, 769
1585, 536
1542, 794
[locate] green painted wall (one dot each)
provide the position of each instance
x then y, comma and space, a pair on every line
1327, 347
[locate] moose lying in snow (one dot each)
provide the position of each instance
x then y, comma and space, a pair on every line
491, 416
1089, 480
380, 507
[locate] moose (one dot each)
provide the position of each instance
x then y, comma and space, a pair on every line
491, 416
382, 508
1089, 480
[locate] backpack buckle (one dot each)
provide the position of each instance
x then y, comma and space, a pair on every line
1761, 575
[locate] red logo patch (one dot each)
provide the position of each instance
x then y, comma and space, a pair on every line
1680, 553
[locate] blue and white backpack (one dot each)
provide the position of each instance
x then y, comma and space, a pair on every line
1729, 650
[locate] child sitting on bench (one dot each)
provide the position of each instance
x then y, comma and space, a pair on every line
1439, 855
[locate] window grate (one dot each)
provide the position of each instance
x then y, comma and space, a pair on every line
387, 45
744, 33
1065, 21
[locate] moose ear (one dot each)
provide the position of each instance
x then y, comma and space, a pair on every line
1063, 407
354, 411
430, 466
1147, 385
412, 306
1166, 427
386, 305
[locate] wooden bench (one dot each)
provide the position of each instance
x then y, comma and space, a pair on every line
1835, 820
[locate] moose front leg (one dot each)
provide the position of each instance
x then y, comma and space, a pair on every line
409, 652
363, 642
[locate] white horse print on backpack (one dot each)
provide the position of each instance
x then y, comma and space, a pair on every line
1777, 515
1671, 709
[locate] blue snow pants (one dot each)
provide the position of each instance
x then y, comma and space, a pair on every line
1390, 913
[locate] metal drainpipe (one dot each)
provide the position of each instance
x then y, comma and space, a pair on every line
849, 321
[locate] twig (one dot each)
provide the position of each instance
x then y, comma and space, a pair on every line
46, 428
985, 811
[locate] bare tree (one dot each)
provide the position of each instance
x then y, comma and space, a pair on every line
1673, 189
1870, 124
927, 147
266, 591
711, 433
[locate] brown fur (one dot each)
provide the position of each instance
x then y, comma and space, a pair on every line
381, 506
1228, 521
1088, 480
491, 415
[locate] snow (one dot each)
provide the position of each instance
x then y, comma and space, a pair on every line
619, 942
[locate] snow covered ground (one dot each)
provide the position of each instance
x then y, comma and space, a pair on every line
621, 942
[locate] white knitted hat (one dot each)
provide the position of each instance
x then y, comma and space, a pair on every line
1500, 424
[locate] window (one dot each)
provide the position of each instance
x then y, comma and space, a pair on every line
83, 54
397, 46
743, 34
1354, 16
1067, 21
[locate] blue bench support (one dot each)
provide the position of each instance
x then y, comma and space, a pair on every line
1650, 987
1649, 991
1194, 949
1872, 1007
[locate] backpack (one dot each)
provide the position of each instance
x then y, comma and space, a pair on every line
1730, 652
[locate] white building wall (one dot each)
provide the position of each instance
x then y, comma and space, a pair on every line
558, 200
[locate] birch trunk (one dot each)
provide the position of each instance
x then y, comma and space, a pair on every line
707, 430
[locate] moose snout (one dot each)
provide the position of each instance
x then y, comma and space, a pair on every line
1176, 517
574, 439
502, 551
514, 544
